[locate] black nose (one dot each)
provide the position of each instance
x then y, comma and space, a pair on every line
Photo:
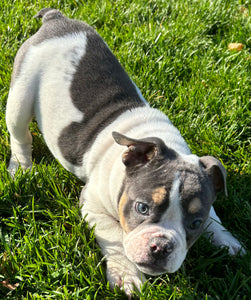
160, 247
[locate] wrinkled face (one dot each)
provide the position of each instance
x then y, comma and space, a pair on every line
165, 201
162, 211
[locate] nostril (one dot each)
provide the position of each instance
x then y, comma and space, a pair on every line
160, 248
154, 248
168, 248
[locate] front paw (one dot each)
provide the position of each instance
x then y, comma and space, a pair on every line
225, 239
14, 166
124, 275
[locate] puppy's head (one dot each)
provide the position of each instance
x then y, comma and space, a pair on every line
165, 201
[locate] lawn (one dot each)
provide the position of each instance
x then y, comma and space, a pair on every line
177, 53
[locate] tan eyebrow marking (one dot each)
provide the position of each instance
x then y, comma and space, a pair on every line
194, 206
159, 194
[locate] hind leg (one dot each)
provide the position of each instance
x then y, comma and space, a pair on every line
19, 114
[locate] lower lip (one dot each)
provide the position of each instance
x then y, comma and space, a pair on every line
151, 269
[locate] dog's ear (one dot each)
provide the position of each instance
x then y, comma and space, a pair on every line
216, 172
139, 151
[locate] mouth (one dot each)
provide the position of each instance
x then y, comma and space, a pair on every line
151, 269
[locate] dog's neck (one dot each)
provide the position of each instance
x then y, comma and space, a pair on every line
103, 163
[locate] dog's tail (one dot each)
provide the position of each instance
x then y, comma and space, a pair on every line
48, 14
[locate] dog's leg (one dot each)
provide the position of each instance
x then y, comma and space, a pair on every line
220, 236
120, 271
19, 114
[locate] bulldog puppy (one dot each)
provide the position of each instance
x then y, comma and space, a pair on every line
147, 195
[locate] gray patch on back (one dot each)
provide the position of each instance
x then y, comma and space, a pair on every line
102, 90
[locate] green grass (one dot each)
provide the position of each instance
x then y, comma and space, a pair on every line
177, 53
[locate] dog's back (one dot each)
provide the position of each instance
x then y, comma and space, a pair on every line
69, 79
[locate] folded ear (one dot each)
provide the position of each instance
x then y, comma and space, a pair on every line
216, 172
139, 151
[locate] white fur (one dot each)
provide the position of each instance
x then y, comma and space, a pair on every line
172, 223
44, 89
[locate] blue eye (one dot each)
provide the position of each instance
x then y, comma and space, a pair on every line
195, 224
142, 208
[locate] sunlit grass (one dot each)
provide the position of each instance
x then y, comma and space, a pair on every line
177, 53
